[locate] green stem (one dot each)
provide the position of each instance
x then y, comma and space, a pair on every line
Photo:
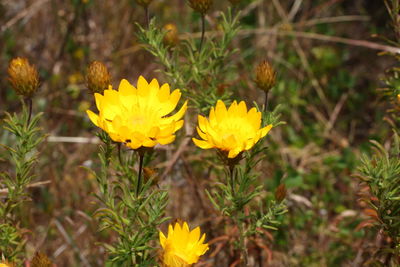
29, 100
203, 29
266, 101
139, 180
232, 179
242, 242
119, 154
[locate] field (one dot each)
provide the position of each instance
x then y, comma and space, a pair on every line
314, 183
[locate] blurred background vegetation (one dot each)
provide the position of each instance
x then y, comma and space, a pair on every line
327, 86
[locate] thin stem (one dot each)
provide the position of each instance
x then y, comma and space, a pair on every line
242, 241
232, 181
29, 100
119, 145
146, 11
203, 29
139, 180
266, 101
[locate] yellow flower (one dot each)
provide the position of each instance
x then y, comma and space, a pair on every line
138, 116
182, 247
233, 130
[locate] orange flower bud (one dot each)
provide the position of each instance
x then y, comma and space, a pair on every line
98, 78
265, 76
23, 77
171, 37
41, 260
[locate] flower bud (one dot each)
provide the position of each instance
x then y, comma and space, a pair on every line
171, 37
201, 6
265, 76
143, 3
41, 260
23, 77
280, 193
98, 78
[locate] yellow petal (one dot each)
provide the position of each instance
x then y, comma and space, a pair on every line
162, 239
234, 152
202, 144
166, 140
142, 86
164, 93
202, 134
125, 88
220, 111
265, 130
93, 117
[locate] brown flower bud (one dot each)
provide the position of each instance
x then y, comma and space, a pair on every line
41, 260
201, 6
143, 3
280, 193
98, 78
23, 77
265, 76
171, 37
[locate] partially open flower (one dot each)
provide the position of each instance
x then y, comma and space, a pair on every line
139, 117
98, 78
201, 6
182, 247
265, 76
23, 76
232, 130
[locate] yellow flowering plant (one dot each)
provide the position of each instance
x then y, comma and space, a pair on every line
182, 247
236, 133
139, 119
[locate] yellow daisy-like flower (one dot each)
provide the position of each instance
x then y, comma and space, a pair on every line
138, 116
231, 130
182, 247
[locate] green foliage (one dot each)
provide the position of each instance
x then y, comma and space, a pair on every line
381, 172
201, 74
135, 218
26, 138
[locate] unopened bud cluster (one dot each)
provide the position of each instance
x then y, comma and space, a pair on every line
41, 260
171, 37
98, 78
23, 77
143, 3
265, 76
201, 6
